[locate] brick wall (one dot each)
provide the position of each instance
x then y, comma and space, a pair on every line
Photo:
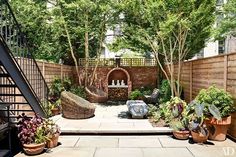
139, 76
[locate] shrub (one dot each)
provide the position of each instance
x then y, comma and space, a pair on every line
136, 94
78, 90
58, 86
217, 97
165, 91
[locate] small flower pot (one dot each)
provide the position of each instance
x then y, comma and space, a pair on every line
51, 143
33, 148
198, 137
55, 111
181, 135
218, 128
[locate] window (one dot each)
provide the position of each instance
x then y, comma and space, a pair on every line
221, 46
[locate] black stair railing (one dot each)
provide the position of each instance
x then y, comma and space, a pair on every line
16, 41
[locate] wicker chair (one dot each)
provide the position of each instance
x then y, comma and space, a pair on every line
96, 95
153, 98
75, 107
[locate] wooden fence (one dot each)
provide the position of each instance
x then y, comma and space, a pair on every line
202, 73
53, 70
123, 62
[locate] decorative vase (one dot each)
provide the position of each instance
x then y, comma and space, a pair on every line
218, 128
51, 143
181, 135
33, 148
198, 137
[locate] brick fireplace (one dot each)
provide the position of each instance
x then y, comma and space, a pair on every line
118, 84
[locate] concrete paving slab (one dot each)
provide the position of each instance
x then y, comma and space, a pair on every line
166, 152
118, 152
107, 119
213, 151
68, 141
97, 142
141, 142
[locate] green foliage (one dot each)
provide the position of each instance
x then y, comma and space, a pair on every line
44, 25
165, 91
195, 111
51, 128
78, 90
40, 135
226, 23
173, 109
178, 124
59, 85
146, 90
136, 94
166, 18
217, 97
154, 112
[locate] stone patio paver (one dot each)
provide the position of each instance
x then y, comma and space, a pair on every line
97, 142
108, 119
118, 152
140, 142
213, 151
68, 141
166, 152
135, 146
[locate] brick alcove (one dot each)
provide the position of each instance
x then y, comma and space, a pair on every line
118, 92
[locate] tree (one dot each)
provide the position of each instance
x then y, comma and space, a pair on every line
173, 30
69, 30
226, 20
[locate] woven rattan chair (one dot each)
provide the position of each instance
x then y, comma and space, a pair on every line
153, 98
96, 95
75, 107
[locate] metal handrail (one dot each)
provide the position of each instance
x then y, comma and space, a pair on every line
15, 39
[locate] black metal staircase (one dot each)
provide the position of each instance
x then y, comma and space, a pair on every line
21, 82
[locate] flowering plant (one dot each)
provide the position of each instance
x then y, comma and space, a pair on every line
31, 130
51, 128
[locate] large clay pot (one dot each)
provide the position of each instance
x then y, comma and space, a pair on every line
51, 143
33, 149
218, 128
181, 135
199, 138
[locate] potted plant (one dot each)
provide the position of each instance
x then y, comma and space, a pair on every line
55, 107
179, 118
217, 98
197, 127
52, 131
180, 129
31, 134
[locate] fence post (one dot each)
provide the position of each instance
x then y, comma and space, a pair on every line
43, 70
191, 81
225, 71
61, 71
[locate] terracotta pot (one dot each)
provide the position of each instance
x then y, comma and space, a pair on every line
218, 128
51, 143
199, 138
181, 135
33, 149
55, 111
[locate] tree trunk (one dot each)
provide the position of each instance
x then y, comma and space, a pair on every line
86, 45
